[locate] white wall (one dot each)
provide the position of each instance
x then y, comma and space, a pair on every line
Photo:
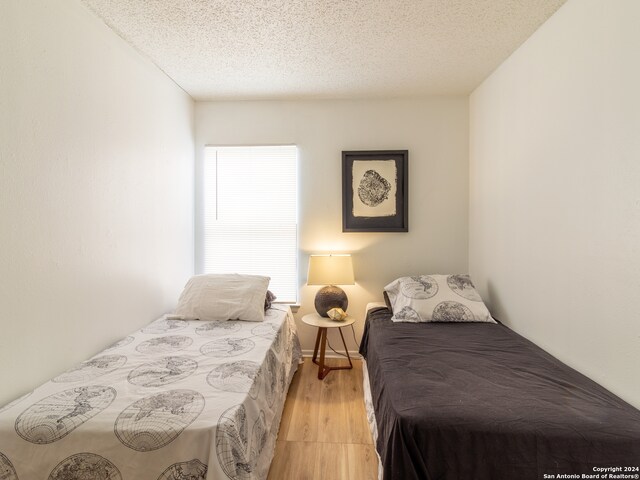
434, 130
555, 190
96, 183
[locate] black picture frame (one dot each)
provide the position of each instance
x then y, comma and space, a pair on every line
381, 201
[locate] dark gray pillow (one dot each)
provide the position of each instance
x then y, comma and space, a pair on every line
268, 300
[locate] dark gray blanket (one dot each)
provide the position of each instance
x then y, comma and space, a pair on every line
477, 401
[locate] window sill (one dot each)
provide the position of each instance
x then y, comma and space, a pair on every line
294, 306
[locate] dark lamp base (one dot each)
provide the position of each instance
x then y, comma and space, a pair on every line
330, 297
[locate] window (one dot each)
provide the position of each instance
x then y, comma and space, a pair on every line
250, 214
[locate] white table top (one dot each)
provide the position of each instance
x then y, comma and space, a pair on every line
316, 320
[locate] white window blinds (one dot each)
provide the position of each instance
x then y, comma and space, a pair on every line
250, 214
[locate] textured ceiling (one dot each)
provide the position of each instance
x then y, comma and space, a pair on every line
259, 49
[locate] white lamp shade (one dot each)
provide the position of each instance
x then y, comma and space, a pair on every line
330, 270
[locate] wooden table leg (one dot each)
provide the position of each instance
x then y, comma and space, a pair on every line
315, 350
322, 370
345, 349
321, 342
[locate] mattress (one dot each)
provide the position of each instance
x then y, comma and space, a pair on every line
478, 401
175, 400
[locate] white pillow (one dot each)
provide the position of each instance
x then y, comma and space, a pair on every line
436, 298
224, 297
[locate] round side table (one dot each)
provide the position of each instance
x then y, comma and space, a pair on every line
323, 325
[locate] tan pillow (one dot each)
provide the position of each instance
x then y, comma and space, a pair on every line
224, 297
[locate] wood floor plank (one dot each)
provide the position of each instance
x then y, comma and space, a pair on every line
294, 460
363, 462
333, 416
324, 433
304, 423
331, 461
289, 404
353, 403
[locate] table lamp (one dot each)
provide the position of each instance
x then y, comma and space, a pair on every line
330, 270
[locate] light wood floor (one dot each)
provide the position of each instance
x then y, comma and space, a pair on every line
324, 433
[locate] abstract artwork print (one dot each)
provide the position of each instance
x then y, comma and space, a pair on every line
375, 183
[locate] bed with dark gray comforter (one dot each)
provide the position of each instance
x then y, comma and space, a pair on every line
474, 401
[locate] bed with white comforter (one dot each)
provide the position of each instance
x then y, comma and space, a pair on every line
179, 399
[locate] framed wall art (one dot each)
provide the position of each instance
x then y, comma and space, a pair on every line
375, 188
